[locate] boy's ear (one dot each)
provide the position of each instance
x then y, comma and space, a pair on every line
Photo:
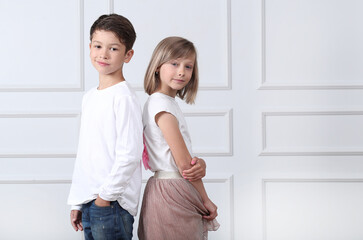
129, 55
90, 45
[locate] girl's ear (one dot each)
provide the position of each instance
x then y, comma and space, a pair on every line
129, 55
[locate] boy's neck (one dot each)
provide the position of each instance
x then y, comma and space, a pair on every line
106, 81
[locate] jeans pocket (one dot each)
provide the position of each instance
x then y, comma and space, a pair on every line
99, 213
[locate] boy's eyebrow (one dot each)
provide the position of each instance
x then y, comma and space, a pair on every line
95, 41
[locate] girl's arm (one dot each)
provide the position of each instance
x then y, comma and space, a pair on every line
169, 126
197, 171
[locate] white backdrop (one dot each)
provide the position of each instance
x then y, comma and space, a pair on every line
278, 117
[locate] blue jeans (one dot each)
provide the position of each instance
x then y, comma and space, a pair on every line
106, 223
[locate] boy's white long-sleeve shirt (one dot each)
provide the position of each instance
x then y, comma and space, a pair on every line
110, 147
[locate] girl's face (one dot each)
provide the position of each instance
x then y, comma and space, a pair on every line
175, 74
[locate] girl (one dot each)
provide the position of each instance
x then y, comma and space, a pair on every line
172, 207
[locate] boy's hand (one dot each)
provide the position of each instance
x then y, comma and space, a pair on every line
197, 171
101, 203
76, 220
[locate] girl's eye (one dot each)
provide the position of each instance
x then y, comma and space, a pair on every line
97, 46
189, 67
174, 64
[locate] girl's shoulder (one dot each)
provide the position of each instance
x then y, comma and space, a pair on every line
158, 102
160, 99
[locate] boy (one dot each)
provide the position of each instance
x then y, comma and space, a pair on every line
107, 175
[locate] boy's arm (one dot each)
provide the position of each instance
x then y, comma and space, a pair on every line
128, 148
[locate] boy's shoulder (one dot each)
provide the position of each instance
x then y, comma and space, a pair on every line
124, 94
89, 92
123, 89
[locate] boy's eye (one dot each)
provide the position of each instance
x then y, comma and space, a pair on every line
97, 46
113, 49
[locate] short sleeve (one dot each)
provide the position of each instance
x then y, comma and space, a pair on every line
161, 104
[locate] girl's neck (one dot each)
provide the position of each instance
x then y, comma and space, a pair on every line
106, 81
170, 93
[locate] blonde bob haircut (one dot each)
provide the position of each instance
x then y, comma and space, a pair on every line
168, 49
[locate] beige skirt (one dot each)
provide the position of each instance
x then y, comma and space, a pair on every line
172, 209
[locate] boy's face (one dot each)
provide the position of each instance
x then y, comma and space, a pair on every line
107, 53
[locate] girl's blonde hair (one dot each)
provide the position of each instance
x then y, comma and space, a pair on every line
168, 49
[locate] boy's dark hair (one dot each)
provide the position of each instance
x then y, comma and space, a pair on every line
117, 24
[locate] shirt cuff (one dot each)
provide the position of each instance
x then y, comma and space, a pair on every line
76, 207
108, 196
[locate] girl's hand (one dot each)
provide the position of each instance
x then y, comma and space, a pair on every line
197, 171
212, 209
76, 220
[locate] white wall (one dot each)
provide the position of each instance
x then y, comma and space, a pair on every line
278, 115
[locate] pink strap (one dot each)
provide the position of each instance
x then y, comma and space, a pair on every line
145, 156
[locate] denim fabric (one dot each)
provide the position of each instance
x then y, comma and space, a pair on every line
106, 223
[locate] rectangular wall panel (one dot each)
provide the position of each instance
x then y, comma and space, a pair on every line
43, 49
168, 20
38, 210
214, 138
38, 135
312, 133
313, 209
312, 44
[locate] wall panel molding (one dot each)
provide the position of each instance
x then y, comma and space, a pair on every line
40, 115
77, 87
111, 6
296, 180
229, 114
36, 181
265, 85
267, 152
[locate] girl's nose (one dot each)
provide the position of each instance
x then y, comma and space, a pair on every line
181, 72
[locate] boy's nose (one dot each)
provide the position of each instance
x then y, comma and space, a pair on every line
103, 55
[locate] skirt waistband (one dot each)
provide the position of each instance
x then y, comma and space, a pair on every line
167, 175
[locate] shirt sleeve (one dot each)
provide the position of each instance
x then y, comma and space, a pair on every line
158, 105
128, 147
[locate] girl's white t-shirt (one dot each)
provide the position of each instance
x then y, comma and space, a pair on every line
160, 157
